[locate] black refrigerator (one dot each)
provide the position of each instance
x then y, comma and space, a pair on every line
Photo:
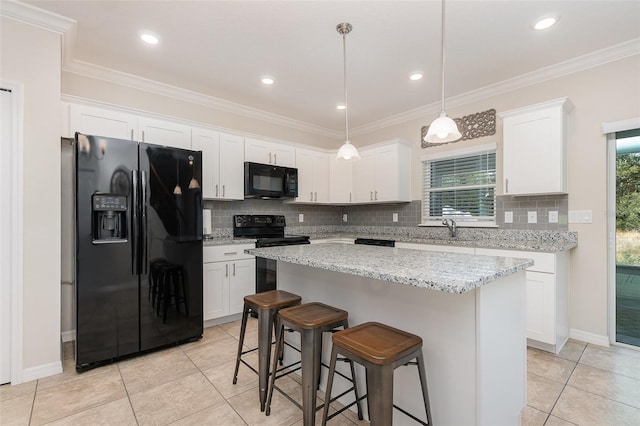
138, 248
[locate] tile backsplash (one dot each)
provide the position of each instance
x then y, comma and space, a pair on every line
409, 214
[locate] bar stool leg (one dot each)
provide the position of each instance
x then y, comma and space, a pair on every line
327, 397
243, 328
265, 322
380, 403
272, 378
423, 382
310, 374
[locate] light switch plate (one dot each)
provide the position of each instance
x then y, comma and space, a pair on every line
301, 217
532, 217
395, 217
553, 216
344, 217
508, 217
580, 216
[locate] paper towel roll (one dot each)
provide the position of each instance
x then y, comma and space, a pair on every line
206, 222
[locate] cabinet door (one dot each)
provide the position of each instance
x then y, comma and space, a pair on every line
320, 177
386, 174
541, 316
207, 141
100, 122
231, 167
283, 155
215, 290
257, 151
341, 180
242, 283
161, 132
363, 175
304, 160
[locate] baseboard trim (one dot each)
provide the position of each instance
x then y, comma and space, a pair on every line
68, 336
34, 373
585, 336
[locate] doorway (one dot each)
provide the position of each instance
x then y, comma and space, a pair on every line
627, 237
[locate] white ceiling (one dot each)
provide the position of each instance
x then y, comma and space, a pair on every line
222, 48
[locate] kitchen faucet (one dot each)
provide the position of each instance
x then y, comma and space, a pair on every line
451, 224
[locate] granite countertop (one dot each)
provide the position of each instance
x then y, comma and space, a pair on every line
447, 272
225, 241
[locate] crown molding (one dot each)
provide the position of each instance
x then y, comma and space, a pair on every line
580, 63
37, 17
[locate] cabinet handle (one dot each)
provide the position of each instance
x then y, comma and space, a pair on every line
269, 158
376, 197
275, 158
311, 196
223, 190
230, 253
349, 197
143, 136
316, 197
234, 269
131, 134
506, 186
226, 270
371, 196
216, 189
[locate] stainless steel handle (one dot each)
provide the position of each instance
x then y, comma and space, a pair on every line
311, 196
135, 238
131, 134
269, 158
143, 136
223, 190
234, 269
275, 159
316, 196
371, 196
216, 189
376, 197
506, 186
144, 253
230, 253
226, 270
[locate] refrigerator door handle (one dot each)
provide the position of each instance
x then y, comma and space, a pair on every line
143, 222
135, 240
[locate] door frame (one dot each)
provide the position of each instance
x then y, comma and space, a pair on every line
609, 131
15, 261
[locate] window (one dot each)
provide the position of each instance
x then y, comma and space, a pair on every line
460, 185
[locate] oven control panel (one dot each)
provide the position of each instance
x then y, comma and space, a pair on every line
258, 221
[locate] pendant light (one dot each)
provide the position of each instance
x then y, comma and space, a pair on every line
193, 183
347, 151
443, 129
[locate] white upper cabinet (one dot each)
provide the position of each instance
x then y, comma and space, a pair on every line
257, 151
340, 181
383, 173
162, 132
222, 164
102, 122
534, 151
313, 176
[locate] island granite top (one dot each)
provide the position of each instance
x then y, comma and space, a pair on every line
447, 272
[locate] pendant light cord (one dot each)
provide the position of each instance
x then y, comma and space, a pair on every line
346, 109
442, 56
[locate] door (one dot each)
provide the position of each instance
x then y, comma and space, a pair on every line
627, 247
216, 289
171, 245
106, 283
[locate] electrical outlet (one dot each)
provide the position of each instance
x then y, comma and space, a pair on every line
532, 217
553, 216
344, 217
395, 217
508, 217
301, 217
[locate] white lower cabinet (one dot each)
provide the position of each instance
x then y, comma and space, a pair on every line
228, 275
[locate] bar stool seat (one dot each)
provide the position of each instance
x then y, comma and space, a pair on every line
266, 305
380, 349
310, 320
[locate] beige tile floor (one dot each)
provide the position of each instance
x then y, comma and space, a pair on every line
191, 385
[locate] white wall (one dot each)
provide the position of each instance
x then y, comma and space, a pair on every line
31, 56
609, 92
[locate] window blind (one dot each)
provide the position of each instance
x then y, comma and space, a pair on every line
460, 187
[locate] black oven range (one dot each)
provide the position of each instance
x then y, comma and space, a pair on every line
268, 231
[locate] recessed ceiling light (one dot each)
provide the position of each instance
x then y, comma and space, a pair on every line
416, 75
341, 106
149, 38
545, 23
267, 80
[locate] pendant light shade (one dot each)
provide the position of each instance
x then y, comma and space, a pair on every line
177, 190
193, 183
443, 129
347, 151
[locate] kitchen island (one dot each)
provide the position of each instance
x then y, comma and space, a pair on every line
469, 311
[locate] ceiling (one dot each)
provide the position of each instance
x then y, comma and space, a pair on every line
222, 48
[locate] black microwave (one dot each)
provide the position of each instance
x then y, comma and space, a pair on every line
267, 181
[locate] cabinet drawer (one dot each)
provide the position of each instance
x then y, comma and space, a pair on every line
225, 253
543, 262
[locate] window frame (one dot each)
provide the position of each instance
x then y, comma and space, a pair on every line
449, 154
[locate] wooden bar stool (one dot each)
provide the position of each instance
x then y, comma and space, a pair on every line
266, 305
310, 320
380, 349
